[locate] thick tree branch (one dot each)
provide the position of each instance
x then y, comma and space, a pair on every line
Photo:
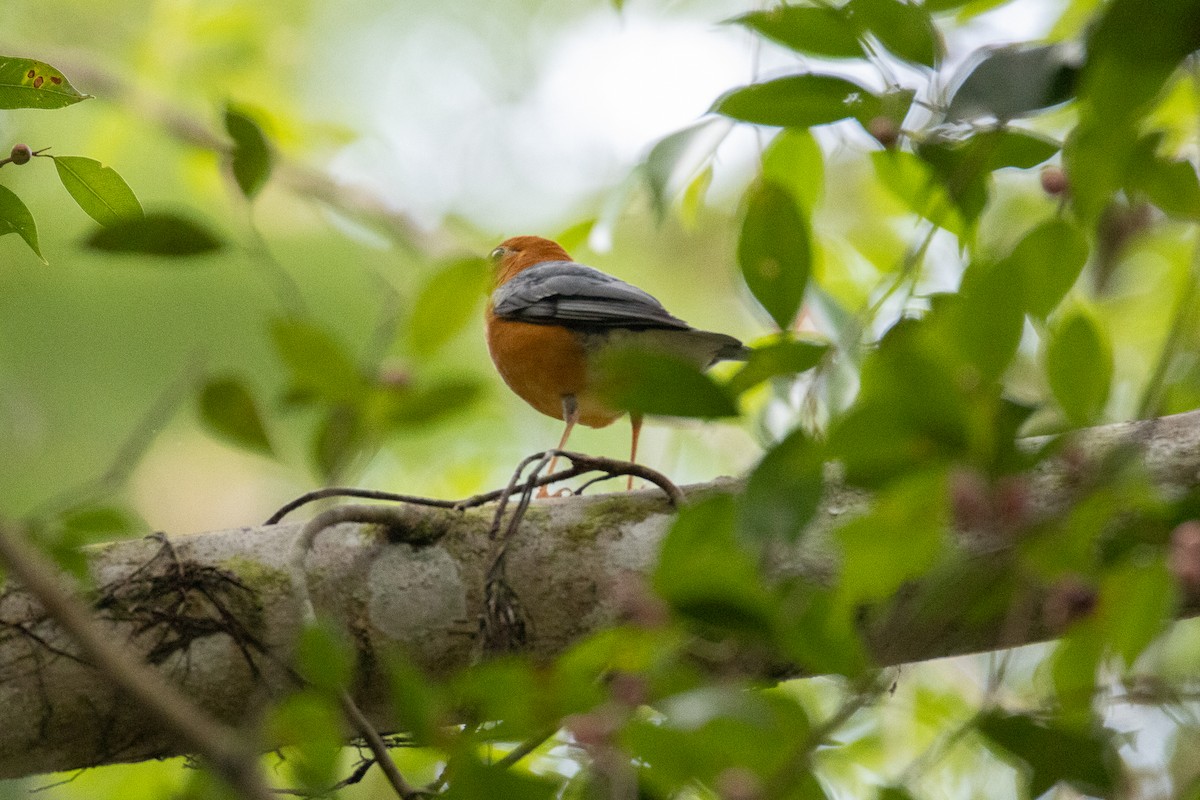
231, 757
225, 614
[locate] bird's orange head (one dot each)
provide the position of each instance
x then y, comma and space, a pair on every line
522, 252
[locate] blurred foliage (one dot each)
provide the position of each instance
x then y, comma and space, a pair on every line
944, 251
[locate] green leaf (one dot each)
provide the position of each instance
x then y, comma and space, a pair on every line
1011, 82
228, 408
25, 83
338, 441
446, 304
318, 363
471, 780
16, 218
1171, 184
705, 574
1136, 601
251, 159
648, 382
1019, 149
1079, 366
677, 156
905, 29
819, 31
899, 539
794, 161
783, 491
156, 234
774, 251
422, 405
416, 700
324, 658
1052, 753
800, 101
1046, 264
986, 319
915, 184
777, 358
99, 190
311, 724
501, 690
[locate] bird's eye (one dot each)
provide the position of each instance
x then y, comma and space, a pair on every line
498, 254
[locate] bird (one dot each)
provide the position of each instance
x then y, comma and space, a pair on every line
549, 320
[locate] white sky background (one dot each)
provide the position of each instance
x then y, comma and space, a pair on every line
518, 125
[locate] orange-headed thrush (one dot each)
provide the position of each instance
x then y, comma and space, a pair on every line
549, 319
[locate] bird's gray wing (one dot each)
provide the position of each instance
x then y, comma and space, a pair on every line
576, 296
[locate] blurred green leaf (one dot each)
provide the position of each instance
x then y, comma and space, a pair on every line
780, 357
101, 522
1046, 263
800, 101
157, 233
775, 251
648, 382
1136, 601
1170, 184
1050, 754
99, 190
818, 632
251, 159
794, 161
1011, 82
783, 490
677, 156
25, 83
324, 658
1079, 366
913, 407
1018, 149
319, 366
469, 779
229, 409
986, 319
914, 182
506, 692
338, 441
704, 573
711, 730
16, 218
962, 168
446, 304
417, 701
423, 404
311, 724
899, 539
819, 31
905, 29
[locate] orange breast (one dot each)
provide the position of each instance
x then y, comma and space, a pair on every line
542, 364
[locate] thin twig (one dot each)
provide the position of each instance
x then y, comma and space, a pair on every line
524, 748
581, 465
224, 748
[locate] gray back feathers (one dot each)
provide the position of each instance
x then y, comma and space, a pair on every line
574, 296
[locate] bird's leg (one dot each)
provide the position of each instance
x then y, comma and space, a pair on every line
570, 416
635, 424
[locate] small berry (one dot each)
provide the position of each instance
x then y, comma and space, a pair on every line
885, 130
1069, 601
21, 154
1054, 181
1184, 557
738, 783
